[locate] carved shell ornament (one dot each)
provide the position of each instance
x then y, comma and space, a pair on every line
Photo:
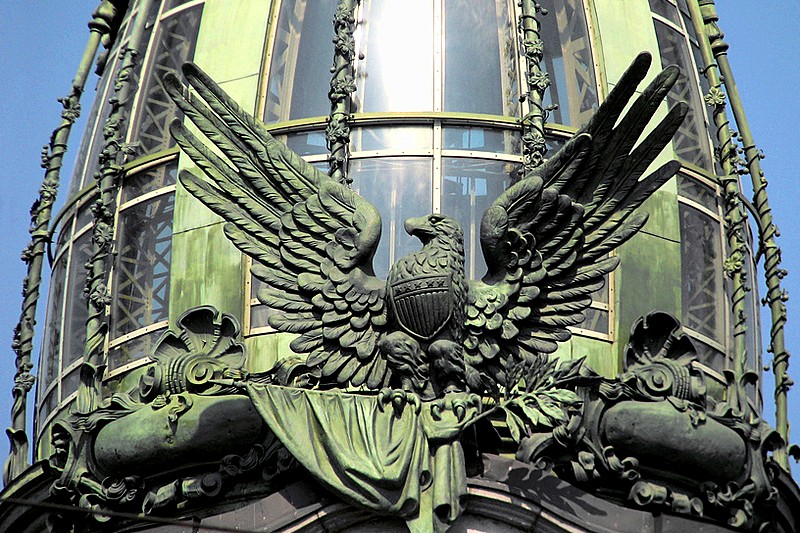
202, 348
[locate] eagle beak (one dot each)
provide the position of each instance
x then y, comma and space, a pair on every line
420, 228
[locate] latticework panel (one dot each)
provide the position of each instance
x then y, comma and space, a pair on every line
141, 273
568, 62
691, 141
701, 256
174, 45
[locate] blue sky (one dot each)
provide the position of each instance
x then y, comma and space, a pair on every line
42, 41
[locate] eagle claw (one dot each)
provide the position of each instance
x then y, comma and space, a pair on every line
399, 399
459, 403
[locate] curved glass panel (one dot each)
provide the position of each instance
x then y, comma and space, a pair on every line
691, 141
174, 44
480, 63
133, 349
568, 62
49, 369
76, 310
399, 188
469, 186
306, 143
701, 254
395, 137
148, 181
141, 272
302, 55
481, 140
396, 73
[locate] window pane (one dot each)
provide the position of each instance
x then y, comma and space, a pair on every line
391, 138
77, 307
174, 45
399, 188
482, 140
306, 143
595, 319
150, 180
52, 333
70, 383
480, 62
141, 273
709, 356
133, 349
568, 61
702, 294
397, 71
698, 192
665, 9
302, 55
691, 140
468, 189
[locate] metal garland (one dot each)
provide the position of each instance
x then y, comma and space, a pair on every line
537, 81
343, 84
730, 161
107, 179
102, 24
776, 296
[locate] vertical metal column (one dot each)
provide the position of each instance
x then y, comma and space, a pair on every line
108, 178
776, 296
342, 86
729, 183
100, 26
537, 81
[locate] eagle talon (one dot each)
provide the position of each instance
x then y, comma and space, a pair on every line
384, 397
399, 398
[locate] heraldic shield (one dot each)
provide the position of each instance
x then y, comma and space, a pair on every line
423, 305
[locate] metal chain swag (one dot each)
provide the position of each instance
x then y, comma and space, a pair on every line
102, 25
108, 180
537, 81
776, 296
343, 84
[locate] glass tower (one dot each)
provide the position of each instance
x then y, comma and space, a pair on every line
435, 124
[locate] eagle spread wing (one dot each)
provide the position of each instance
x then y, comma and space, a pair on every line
313, 239
546, 239
546, 242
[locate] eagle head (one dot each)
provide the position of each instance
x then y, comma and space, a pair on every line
434, 227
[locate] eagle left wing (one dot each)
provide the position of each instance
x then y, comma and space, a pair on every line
312, 238
546, 239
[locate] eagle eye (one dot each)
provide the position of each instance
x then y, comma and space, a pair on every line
435, 219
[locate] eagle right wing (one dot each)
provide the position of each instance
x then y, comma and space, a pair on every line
312, 239
547, 238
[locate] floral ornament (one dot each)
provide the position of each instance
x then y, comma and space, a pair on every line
100, 296
534, 48
341, 88
201, 356
715, 97
539, 80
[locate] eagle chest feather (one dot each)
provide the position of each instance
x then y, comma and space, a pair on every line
428, 291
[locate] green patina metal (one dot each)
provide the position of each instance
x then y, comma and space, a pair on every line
537, 81
343, 84
90, 390
776, 296
103, 26
434, 356
425, 330
728, 156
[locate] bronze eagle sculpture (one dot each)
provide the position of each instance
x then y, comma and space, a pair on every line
427, 329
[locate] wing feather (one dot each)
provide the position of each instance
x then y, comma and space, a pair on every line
546, 239
312, 239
